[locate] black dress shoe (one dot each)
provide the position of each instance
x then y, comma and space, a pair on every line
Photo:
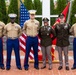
26, 69
67, 68
43, 67
2, 68
7, 68
19, 68
36, 68
73, 68
50, 68
60, 67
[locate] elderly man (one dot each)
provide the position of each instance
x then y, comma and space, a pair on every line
12, 31
31, 28
62, 33
73, 32
1, 45
46, 42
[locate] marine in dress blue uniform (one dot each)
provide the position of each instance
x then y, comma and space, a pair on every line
1, 45
73, 32
12, 31
31, 28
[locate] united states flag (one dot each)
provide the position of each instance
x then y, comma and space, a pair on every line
24, 15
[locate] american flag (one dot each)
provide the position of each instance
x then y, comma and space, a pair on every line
24, 15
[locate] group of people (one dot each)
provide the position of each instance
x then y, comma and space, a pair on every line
32, 29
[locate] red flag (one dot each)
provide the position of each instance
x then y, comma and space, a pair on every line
65, 12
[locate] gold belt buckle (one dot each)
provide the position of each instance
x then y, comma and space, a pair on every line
13, 38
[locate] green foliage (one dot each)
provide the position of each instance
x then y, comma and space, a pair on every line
73, 12
61, 5
0, 16
13, 8
52, 6
52, 11
37, 4
38, 7
28, 4
3, 14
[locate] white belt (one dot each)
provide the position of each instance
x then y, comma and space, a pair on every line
12, 37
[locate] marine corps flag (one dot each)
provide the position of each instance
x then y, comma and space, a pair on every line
65, 12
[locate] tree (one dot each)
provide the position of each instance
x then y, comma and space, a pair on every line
13, 8
28, 4
52, 12
3, 14
61, 4
73, 18
38, 7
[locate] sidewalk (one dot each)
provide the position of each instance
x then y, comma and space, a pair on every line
32, 71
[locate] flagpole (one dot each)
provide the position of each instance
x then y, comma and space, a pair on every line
69, 14
19, 13
20, 1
